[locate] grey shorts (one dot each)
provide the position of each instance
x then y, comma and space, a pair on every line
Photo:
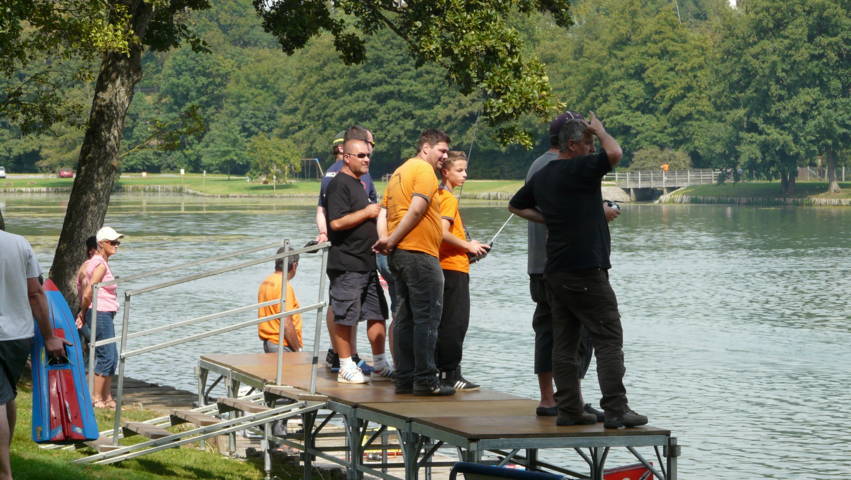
13, 357
357, 296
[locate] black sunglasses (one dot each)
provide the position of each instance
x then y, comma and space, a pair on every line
359, 155
114, 243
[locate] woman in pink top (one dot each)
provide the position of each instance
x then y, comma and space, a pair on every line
106, 356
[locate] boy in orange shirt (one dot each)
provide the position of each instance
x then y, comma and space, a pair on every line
456, 275
270, 289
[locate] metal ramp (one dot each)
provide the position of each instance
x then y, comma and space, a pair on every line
206, 424
262, 408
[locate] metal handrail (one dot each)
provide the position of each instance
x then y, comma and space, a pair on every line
187, 264
217, 331
124, 354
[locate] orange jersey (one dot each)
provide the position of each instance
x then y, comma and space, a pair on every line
452, 257
270, 289
415, 177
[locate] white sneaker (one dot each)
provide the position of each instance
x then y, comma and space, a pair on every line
351, 375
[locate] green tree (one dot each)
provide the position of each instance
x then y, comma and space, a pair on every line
224, 148
277, 158
785, 79
472, 40
652, 158
640, 68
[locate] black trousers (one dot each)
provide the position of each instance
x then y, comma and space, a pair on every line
454, 321
577, 299
419, 292
542, 324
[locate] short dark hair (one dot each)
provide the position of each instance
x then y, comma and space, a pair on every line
432, 136
571, 130
279, 262
357, 132
91, 243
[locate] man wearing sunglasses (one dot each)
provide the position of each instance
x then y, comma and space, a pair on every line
332, 359
356, 294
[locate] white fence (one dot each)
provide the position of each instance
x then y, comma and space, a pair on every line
662, 179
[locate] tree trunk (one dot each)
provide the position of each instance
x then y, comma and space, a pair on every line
98, 166
2, 223
832, 182
787, 182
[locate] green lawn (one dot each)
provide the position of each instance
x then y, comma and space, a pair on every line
764, 190
221, 185
29, 461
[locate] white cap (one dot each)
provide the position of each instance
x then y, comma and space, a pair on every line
108, 233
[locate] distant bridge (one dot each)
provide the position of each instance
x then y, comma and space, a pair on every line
642, 184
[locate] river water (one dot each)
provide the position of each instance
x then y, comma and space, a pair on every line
736, 320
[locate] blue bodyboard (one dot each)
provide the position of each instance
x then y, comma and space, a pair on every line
62, 407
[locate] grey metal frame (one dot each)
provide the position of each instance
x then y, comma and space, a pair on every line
124, 353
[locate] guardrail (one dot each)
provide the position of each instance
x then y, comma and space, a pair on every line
663, 179
124, 354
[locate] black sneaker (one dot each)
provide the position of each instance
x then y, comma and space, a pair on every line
589, 409
434, 389
455, 380
332, 360
584, 418
622, 420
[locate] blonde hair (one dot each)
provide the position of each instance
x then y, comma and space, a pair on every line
453, 155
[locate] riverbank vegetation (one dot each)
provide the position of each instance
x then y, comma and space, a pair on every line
810, 193
224, 185
29, 461
661, 74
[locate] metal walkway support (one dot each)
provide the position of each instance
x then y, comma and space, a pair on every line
125, 352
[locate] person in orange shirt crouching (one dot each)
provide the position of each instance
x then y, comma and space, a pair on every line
270, 289
455, 264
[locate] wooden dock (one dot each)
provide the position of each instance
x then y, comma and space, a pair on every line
498, 424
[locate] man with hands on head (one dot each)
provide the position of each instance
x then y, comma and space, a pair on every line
566, 196
542, 317
410, 231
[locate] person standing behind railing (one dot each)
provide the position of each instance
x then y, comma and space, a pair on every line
106, 356
270, 289
82, 283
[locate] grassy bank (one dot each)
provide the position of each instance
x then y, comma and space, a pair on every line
222, 185
813, 193
31, 462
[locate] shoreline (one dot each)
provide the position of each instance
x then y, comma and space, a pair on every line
610, 192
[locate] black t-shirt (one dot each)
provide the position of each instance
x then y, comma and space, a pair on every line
567, 192
351, 250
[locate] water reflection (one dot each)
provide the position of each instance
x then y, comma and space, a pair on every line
736, 318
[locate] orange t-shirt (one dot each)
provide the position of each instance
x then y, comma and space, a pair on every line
452, 257
270, 289
415, 177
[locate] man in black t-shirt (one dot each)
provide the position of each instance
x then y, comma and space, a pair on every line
566, 196
356, 293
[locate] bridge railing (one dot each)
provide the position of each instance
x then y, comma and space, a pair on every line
662, 179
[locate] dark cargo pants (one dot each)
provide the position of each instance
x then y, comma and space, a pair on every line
577, 299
